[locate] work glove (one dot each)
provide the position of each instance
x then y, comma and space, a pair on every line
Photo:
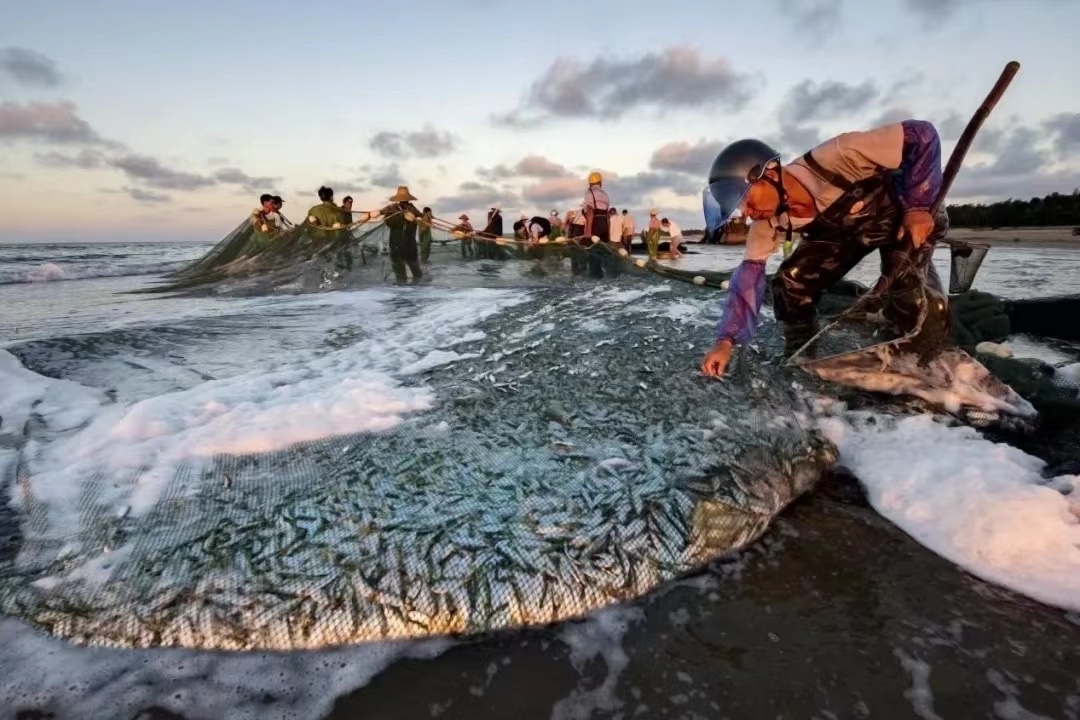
918, 224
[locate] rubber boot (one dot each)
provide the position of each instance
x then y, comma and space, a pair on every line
797, 334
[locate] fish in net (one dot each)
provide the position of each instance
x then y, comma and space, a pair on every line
567, 462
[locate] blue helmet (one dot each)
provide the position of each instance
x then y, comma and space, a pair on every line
737, 165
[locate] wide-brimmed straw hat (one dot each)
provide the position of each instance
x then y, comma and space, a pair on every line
402, 194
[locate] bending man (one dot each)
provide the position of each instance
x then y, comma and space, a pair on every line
851, 195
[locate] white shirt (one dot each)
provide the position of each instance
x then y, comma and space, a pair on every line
628, 224
615, 228
672, 229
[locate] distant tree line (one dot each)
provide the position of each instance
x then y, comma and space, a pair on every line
1054, 209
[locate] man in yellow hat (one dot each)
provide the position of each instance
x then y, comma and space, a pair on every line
401, 218
596, 206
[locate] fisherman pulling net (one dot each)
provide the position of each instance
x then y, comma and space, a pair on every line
554, 453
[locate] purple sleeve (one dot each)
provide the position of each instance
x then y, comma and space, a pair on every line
746, 292
920, 166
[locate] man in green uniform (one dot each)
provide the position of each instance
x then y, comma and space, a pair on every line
326, 213
401, 219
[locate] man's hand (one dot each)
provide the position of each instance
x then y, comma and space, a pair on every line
917, 226
716, 360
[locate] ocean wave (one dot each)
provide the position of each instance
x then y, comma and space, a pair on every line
54, 272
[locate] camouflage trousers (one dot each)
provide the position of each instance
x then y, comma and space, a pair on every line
866, 218
404, 253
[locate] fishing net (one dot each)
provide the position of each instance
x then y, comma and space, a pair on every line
564, 459
567, 461
964, 265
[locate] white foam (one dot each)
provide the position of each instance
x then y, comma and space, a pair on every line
982, 505
306, 397
47, 272
100, 682
920, 695
600, 635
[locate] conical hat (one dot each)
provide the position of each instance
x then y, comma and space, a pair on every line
402, 194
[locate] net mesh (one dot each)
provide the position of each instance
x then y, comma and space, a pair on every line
964, 265
568, 462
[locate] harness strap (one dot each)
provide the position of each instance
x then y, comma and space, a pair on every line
829, 176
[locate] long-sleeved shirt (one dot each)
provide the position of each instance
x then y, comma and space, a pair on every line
325, 214
913, 147
615, 228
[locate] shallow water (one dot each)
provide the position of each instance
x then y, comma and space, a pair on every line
139, 348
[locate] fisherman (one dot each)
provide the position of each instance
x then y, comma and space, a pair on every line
346, 210
401, 219
278, 202
675, 233
652, 235
595, 207
614, 227
493, 230
556, 225
265, 223
853, 194
465, 227
326, 214
425, 235
627, 230
521, 228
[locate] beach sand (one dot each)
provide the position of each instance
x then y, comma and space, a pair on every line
1044, 236
784, 629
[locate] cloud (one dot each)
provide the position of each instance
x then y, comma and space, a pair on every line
85, 160
530, 166
970, 186
892, 115
29, 68
388, 176
606, 88
555, 190
795, 139
683, 157
56, 123
426, 143
810, 101
636, 190
345, 187
146, 196
236, 176
150, 171
473, 196
817, 16
1065, 128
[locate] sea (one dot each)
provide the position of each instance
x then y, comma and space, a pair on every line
67, 313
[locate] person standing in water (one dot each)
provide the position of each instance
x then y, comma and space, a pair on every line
652, 235
851, 195
596, 205
614, 227
326, 213
425, 235
676, 236
627, 230
401, 219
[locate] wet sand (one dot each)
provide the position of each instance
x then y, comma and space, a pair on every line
1041, 236
836, 614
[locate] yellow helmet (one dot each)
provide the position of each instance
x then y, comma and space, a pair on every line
595, 178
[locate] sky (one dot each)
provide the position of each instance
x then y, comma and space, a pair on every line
125, 119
